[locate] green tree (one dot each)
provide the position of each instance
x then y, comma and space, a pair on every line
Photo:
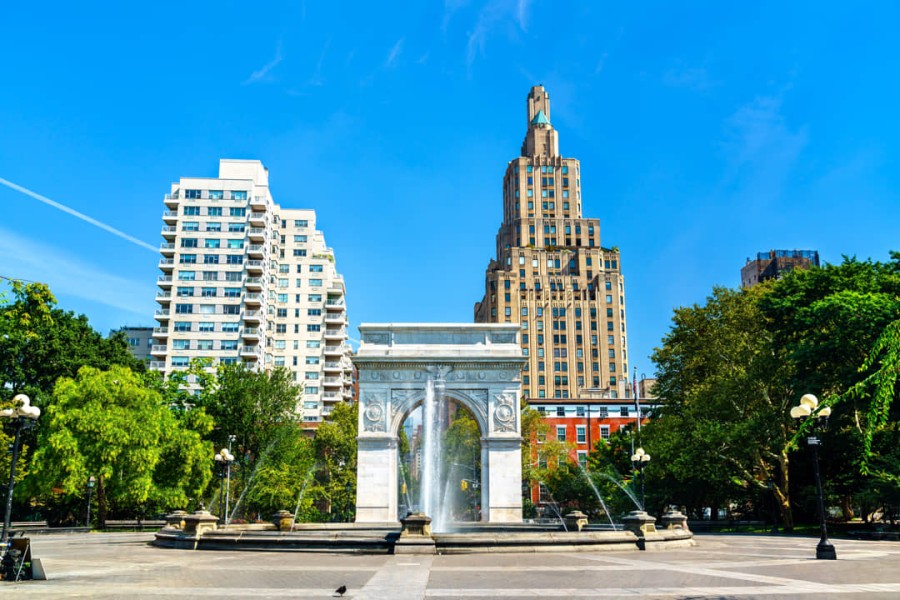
285, 475
108, 424
335, 450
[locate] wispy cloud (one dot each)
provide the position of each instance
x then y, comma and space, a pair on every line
78, 215
263, 72
66, 275
317, 79
393, 54
694, 78
494, 13
761, 147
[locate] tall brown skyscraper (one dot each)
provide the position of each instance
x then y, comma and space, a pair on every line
553, 276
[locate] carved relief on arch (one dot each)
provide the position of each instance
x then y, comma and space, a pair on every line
504, 413
374, 412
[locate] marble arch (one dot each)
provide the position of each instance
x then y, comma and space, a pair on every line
476, 365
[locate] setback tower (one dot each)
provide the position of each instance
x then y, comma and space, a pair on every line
552, 275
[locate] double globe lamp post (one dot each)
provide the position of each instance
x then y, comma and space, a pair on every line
24, 416
809, 409
640, 459
223, 459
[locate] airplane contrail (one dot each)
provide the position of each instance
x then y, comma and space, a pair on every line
78, 215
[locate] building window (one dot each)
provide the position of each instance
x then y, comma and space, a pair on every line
206, 327
210, 259
188, 242
192, 194
237, 212
236, 228
561, 433
184, 309
234, 259
604, 432
301, 223
182, 326
238, 195
214, 211
211, 243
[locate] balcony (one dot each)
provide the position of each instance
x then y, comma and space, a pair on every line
334, 350
170, 216
254, 283
332, 381
252, 315
168, 231
160, 332
157, 365
258, 203
167, 264
162, 314
257, 234
336, 318
332, 303
333, 366
255, 266
250, 352
256, 250
250, 333
166, 295
331, 395
159, 349
257, 219
336, 333
164, 281
254, 299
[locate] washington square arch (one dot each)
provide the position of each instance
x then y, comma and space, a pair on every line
475, 366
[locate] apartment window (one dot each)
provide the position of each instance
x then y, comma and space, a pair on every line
214, 227
190, 226
188, 242
623, 411
282, 297
280, 344
312, 360
281, 313
235, 244
561, 433
313, 344
216, 194
314, 312
230, 327
315, 283
237, 212
281, 328
234, 259
582, 458
315, 268
231, 309
192, 211
236, 227
604, 432
238, 195
299, 252
185, 291
314, 328
180, 361
184, 309
301, 223
581, 434
192, 194
212, 243
187, 276
207, 327
207, 309
181, 344
236, 276
204, 345
232, 292
300, 239
214, 211
315, 297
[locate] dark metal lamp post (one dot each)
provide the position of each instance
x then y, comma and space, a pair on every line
90, 488
807, 409
640, 459
23, 416
223, 459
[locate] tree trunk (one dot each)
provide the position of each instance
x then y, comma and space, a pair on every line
102, 507
847, 508
782, 493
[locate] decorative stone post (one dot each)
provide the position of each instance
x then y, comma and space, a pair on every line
675, 519
175, 519
415, 538
283, 520
576, 520
199, 522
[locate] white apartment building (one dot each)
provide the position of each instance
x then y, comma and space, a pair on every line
244, 280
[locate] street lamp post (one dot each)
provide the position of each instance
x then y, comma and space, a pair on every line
223, 459
807, 409
90, 488
640, 459
24, 416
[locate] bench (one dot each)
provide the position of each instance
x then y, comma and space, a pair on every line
27, 525
139, 524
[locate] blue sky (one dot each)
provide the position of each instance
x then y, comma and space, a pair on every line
706, 132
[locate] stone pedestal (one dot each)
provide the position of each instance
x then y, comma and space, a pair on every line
283, 520
576, 520
415, 538
199, 522
644, 527
175, 519
674, 519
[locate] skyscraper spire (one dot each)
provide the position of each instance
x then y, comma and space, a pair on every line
541, 139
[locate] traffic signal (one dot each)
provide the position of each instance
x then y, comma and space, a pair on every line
464, 485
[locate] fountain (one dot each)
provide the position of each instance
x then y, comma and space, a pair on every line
403, 367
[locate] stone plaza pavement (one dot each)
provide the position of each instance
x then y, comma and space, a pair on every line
125, 565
